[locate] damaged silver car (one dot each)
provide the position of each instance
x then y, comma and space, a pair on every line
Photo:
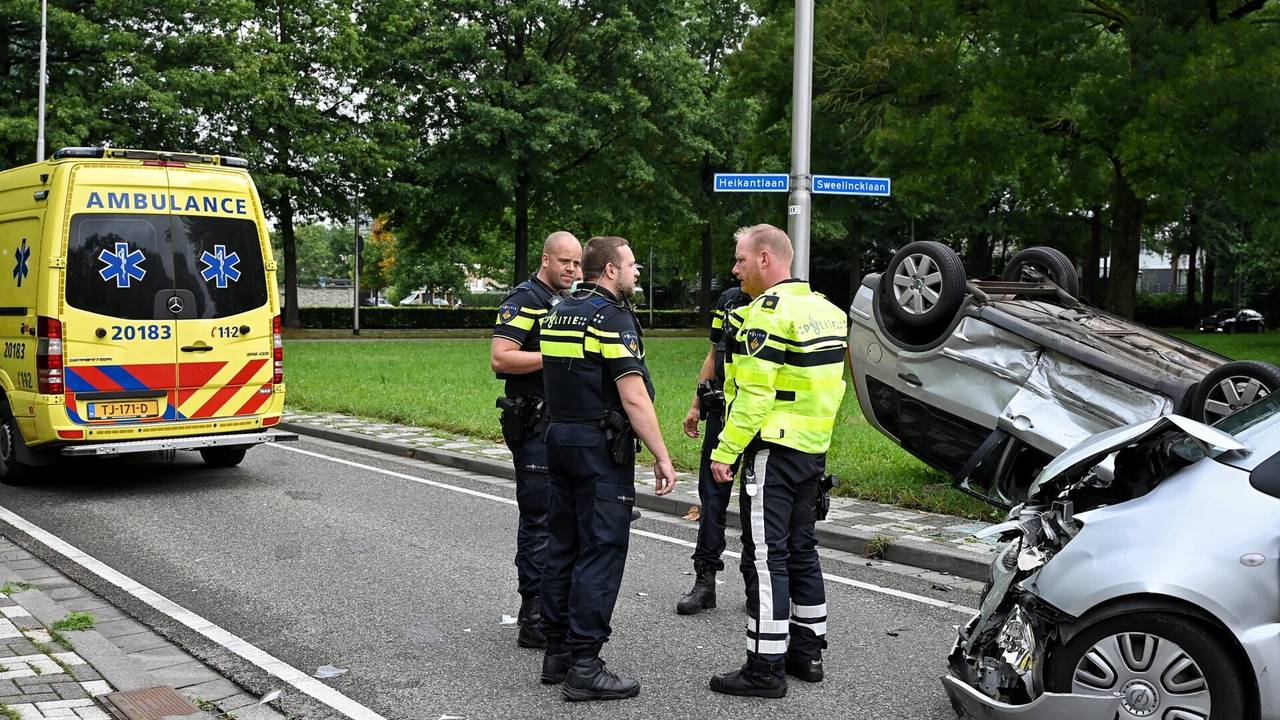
1140, 579
989, 380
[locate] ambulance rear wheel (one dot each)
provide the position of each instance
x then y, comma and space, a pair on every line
11, 471
223, 457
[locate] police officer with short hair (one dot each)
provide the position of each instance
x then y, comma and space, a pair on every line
600, 399
784, 386
708, 404
515, 355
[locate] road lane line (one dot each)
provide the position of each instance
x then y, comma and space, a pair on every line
296, 678
446, 470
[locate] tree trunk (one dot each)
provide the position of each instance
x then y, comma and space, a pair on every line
1195, 236
522, 227
284, 213
1091, 273
854, 241
1174, 262
705, 300
1126, 244
1210, 270
977, 256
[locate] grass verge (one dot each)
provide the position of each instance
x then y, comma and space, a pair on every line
446, 384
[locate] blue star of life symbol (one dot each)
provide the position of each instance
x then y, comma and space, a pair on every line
122, 265
221, 266
22, 255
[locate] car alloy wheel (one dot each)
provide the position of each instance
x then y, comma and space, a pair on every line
1151, 674
917, 284
1231, 395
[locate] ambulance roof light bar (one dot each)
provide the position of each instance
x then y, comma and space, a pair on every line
79, 152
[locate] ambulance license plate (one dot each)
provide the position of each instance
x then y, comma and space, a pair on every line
123, 409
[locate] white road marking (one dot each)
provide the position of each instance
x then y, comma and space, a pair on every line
446, 470
297, 679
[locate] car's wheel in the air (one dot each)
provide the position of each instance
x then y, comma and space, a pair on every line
223, 457
1233, 387
1160, 665
924, 285
1034, 263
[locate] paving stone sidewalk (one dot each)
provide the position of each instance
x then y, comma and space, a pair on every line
929, 540
65, 674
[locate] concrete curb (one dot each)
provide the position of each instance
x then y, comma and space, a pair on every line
938, 558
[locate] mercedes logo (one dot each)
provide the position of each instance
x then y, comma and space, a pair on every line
175, 305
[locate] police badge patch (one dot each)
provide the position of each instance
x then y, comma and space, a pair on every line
508, 312
631, 342
755, 340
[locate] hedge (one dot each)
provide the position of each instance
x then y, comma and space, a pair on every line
430, 318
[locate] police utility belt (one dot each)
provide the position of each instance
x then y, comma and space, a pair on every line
521, 416
710, 398
618, 435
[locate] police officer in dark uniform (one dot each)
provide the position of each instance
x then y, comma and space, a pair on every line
600, 400
515, 356
708, 404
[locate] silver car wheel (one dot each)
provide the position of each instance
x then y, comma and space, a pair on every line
1232, 395
917, 284
1153, 677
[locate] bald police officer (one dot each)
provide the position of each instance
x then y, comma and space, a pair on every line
784, 385
515, 355
600, 398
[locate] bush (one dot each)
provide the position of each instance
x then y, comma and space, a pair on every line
430, 318
1166, 310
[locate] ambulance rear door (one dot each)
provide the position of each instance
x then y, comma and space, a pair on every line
224, 331
119, 335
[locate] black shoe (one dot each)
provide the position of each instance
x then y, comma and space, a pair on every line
589, 680
806, 670
529, 618
703, 595
755, 679
555, 666
635, 514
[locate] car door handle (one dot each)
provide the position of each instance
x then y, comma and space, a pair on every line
910, 378
196, 348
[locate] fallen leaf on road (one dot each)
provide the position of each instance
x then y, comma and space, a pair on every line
939, 588
328, 671
508, 620
643, 594
274, 694
694, 513
894, 632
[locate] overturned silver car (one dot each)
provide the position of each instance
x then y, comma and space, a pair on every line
1140, 579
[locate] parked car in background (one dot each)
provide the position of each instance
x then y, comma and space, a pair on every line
988, 381
1231, 320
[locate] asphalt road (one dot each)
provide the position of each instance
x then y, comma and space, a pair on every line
405, 583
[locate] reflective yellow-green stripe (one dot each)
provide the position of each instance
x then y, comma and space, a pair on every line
551, 348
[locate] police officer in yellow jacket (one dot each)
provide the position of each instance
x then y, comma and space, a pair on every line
600, 399
784, 381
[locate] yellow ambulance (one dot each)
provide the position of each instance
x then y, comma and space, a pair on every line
138, 309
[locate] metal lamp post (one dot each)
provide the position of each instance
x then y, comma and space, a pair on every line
800, 207
44, 52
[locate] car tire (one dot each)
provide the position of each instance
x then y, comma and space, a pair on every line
1046, 261
1231, 388
12, 471
924, 285
223, 457
1118, 655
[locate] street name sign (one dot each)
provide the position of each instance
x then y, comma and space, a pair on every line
752, 182
847, 185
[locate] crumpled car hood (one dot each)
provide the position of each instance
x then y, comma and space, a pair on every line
1071, 465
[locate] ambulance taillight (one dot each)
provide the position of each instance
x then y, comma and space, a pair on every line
277, 341
49, 356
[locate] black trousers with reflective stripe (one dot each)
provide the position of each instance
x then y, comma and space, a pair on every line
590, 528
779, 552
714, 497
532, 498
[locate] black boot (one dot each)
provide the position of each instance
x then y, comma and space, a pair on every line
530, 616
589, 680
703, 594
806, 670
756, 678
555, 665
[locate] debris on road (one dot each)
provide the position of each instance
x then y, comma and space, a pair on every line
328, 671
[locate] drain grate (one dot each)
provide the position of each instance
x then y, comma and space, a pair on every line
154, 703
